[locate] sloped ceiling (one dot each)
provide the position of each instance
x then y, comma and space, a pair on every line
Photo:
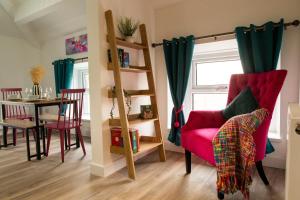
42, 20
8, 26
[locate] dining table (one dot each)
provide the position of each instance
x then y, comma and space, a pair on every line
37, 104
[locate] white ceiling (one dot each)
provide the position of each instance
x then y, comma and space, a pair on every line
8, 27
68, 18
40, 20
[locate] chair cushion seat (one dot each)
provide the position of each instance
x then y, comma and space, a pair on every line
199, 142
19, 117
61, 125
48, 117
18, 123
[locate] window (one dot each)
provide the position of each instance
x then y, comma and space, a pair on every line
81, 80
210, 82
212, 66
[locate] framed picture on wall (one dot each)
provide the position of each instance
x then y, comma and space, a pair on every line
78, 44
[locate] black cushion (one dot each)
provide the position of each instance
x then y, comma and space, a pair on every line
243, 103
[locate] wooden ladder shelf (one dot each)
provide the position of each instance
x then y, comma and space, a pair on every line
147, 143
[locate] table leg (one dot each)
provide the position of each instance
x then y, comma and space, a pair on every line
28, 145
4, 128
44, 141
5, 136
37, 129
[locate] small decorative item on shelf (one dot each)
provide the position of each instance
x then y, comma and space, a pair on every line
125, 62
146, 112
123, 57
128, 102
37, 74
117, 139
127, 27
120, 55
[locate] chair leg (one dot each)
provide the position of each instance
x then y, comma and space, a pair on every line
69, 138
27, 144
48, 140
220, 195
62, 150
33, 133
66, 140
24, 133
188, 161
78, 132
14, 136
261, 172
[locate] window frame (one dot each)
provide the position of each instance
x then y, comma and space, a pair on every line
78, 82
210, 57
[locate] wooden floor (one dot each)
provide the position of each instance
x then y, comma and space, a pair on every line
50, 179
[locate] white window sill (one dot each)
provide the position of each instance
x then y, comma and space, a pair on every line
86, 117
274, 137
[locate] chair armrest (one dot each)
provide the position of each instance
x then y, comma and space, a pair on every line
204, 119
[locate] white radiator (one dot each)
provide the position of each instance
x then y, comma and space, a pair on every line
292, 190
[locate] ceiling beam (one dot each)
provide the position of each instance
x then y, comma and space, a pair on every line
31, 10
24, 30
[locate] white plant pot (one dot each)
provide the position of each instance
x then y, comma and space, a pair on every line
129, 39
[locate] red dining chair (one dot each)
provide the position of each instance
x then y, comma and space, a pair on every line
13, 111
202, 126
69, 117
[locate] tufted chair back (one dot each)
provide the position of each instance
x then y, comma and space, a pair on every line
265, 87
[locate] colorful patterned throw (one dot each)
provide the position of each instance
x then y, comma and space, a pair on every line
234, 152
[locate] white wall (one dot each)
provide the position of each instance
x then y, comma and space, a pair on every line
204, 17
52, 50
17, 57
105, 163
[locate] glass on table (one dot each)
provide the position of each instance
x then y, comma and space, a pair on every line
50, 92
26, 92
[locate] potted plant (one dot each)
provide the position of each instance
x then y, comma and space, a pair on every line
127, 28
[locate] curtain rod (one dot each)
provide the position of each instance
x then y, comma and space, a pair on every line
294, 23
84, 58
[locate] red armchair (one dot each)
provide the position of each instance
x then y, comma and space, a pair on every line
202, 126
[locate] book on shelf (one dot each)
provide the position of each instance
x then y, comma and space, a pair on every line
117, 139
123, 57
125, 62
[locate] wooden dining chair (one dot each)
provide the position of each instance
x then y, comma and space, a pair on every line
25, 125
14, 111
68, 118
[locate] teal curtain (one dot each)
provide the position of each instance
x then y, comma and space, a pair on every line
178, 56
259, 50
63, 71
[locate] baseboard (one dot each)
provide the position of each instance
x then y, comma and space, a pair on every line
171, 147
96, 169
104, 171
274, 162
